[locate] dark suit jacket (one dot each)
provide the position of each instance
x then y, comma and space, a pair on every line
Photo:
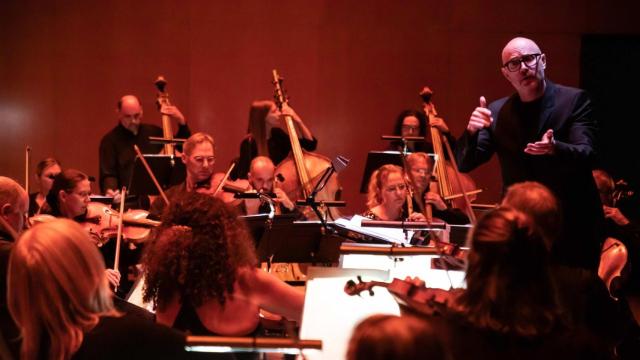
567, 172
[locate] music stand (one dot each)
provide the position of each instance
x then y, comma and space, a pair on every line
161, 166
375, 159
297, 242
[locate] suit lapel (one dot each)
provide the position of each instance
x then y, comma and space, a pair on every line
548, 103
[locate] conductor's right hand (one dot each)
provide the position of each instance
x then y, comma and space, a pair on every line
480, 118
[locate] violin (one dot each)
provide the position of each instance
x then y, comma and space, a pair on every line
101, 222
412, 296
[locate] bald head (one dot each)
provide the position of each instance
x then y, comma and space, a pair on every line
524, 65
261, 173
14, 203
519, 45
130, 112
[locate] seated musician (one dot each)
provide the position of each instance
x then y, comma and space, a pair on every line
510, 308
69, 198
117, 154
46, 170
201, 273
267, 136
262, 179
198, 157
414, 123
69, 195
421, 167
59, 297
581, 293
387, 196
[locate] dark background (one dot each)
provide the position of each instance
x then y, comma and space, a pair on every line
350, 68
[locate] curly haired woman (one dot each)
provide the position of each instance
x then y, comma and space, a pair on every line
201, 272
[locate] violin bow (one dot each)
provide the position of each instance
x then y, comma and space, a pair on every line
150, 172
224, 179
27, 158
116, 261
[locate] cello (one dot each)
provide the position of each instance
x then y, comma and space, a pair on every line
302, 170
456, 193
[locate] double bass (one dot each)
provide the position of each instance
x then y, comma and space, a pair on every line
302, 169
455, 188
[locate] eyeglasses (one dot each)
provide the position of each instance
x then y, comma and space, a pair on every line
410, 127
529, 60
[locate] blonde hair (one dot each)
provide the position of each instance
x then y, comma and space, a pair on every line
196, 139
374, 195
57, 289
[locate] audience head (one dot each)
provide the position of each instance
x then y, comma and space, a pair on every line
538, 202
381, 337
509, 288
196, 252
411, 123
387, 187
57, 288
46, 171
199, 156
14, 204
262, 173
129, 112
69, 194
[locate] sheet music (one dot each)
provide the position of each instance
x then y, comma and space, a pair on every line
396, 236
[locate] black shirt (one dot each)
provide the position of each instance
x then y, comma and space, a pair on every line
117, 154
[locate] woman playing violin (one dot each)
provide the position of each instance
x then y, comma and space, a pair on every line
510, 307
267, 136
46, 170
387, 195
69, 195
201, 272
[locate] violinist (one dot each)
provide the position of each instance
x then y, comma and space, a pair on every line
262, 179
116, 147
582, 296
387, 195
414, 123
267, 136
69, 198
46, 170
198, 157
620, 226
217, 289
509, 308
14, 205
421, 167
69, 195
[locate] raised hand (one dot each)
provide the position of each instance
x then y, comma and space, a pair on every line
480, 117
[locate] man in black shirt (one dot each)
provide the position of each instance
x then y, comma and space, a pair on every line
116, 148
262, 178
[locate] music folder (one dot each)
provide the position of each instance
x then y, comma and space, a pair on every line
169, 170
